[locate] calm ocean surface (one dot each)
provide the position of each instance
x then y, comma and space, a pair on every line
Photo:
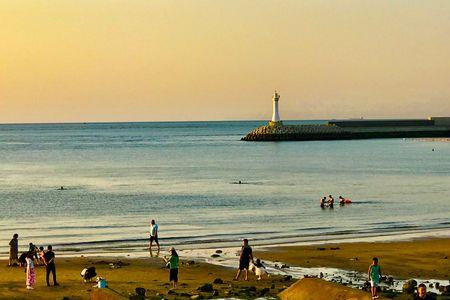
121, 175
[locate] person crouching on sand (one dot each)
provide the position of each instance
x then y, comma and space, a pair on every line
30, 281
172, 264
374, 277
260, 269
245, 257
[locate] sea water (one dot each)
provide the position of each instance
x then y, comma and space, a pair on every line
119, 176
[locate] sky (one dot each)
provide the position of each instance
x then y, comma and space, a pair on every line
164, 60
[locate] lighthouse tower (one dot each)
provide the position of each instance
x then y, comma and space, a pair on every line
275, 117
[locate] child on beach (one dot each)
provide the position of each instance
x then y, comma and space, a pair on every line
374, 277
260, 269
172, 264
30, 271
41, 256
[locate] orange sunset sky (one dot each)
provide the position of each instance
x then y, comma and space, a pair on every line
151, 60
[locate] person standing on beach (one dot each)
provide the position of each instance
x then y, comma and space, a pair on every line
374, 277
172, 264
33, 249
13, 250
30, 281
244, 260
49, 260
153, 234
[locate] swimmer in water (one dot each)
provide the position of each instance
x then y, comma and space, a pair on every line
330, 201
322, 202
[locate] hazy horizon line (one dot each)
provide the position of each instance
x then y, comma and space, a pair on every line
199, 121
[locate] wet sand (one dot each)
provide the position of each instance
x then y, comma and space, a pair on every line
427, 258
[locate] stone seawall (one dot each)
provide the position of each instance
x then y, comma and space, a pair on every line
332, 132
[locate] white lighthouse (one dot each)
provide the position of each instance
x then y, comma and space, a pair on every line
275, 117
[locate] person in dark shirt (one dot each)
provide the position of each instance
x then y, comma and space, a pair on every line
244, 260
422, 293
13, 250
49, 260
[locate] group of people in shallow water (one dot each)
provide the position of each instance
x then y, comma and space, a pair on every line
32, 258
329, 202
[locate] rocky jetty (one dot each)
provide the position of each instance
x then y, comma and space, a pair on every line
350, 130
294, 133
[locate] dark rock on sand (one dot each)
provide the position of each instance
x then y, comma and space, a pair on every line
321, 249
410, 286
207, 287
218, 281
140, 291
251, 288
445, 290
287, 278
218, 251
263, 292
335, 248
366, 286
285, 266
437, 284
215, 255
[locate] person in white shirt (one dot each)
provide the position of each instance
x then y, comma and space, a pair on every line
153, 234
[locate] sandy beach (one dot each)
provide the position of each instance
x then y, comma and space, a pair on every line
425, 258
413, 259
149, 273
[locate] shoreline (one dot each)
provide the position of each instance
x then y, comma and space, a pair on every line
426, 260
140, 251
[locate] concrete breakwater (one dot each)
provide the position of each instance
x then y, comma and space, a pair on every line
350, 130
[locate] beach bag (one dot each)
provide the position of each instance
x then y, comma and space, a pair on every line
102, 283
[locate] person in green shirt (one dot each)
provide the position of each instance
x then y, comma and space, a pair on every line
374, 277
172, 264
